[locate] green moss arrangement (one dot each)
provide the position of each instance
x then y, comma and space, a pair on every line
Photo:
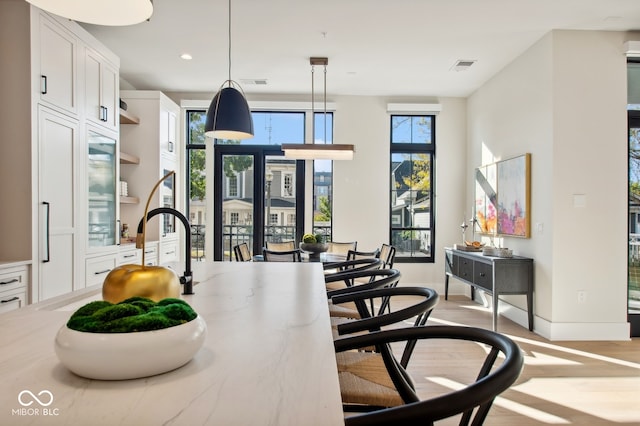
131, 315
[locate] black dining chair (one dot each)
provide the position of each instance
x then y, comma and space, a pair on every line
282, 256
281, 246
341, 247
242, 252
401, 404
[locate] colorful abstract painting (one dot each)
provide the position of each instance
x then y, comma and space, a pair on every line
503, 196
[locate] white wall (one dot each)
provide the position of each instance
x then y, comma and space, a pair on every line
361, 186
564, 101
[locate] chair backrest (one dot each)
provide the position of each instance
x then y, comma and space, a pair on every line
355, 254
341, 248
282, 256
362, 280
387, 255
242, 252
490, 382
351, 265
281, 246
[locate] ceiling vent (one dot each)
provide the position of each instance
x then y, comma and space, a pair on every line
463, 64
255, 81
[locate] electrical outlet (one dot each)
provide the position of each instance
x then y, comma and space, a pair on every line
582, 296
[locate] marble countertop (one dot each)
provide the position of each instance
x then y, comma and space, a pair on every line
268, 359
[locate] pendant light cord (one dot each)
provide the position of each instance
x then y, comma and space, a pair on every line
229, 43
325, 104
313, 111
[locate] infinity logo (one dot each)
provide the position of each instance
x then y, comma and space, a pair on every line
35, 398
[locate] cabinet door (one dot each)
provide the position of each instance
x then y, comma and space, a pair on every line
57, 54
167, 133
101, 191
57, 147
168, 199
101, 85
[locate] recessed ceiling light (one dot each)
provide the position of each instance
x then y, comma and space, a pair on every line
186, 56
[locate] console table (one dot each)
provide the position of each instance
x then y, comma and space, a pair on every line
494, 275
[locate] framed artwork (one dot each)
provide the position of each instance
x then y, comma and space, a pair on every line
503, 197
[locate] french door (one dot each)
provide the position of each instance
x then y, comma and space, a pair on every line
633, 281
258, 197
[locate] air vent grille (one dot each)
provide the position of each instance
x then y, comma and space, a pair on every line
463, 64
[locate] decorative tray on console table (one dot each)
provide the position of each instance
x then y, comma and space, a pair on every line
469, 246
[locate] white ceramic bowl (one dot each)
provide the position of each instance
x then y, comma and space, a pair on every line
121, 356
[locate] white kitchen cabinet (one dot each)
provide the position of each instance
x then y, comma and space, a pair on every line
44, 164
14, 281
55, 68
97, 269
129, 254
149, 141
151, 253
57, 148
101, 90
103, 230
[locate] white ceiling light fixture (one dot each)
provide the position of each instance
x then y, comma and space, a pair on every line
313, 151
99, 12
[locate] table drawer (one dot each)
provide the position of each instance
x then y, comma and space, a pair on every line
97, 269
12, 300
13, 279
463, 268
483, 275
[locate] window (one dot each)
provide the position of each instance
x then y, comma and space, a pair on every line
411, 198
232, 186
235, 216
288, 185
323, 178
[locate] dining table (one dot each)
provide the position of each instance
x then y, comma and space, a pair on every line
267, 359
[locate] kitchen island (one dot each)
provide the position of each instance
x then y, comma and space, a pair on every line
268, 358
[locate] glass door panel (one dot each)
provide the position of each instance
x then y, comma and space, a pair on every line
634, 223
237, 202
101, 181
280, 200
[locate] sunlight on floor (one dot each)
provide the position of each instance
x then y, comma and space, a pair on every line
506, 404
570, 392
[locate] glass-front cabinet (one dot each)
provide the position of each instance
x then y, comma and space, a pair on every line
101, 187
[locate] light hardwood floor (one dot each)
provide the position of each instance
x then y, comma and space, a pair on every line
562, 383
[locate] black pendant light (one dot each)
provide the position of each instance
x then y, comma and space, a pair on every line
229, 116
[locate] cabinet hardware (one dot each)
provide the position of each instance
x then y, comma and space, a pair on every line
170, 146
102, 272
43, 84
10, 300
15, 280
126, 256
48, 206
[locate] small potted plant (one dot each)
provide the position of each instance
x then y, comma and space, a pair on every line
130, 339
314, 245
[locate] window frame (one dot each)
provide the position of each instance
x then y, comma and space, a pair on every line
411, 148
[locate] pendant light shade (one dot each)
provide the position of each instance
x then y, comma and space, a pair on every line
229, 116
314, 151
99, 12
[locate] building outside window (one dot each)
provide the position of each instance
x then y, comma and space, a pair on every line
411, 199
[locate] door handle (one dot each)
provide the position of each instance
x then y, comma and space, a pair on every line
46, 234
43, 84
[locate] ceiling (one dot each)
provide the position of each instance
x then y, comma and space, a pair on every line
375, 47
